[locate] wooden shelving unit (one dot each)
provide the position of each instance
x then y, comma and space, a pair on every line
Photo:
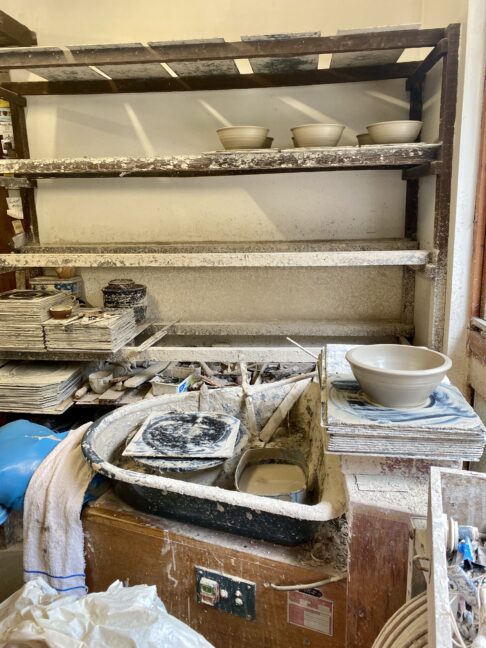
136, 67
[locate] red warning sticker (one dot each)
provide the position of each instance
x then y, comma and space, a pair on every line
310, 610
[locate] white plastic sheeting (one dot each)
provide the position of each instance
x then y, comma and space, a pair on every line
122, 617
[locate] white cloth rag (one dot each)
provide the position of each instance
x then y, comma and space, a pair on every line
53, 532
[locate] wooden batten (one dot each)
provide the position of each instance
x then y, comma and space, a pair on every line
228, 162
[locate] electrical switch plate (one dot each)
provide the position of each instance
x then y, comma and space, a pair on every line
239, 595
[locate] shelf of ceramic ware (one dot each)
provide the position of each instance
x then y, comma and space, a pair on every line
217, 163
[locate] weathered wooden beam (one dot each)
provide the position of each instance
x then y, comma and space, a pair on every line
422, 170
229, 247
428, 63
14, 33
21, 143
12, 96
443, 183
8, 182
219, 260
214, 82
227, 162
137, 53
428, 271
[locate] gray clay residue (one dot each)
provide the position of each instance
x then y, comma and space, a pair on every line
184, 434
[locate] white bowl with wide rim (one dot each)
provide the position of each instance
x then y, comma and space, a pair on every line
310, 135
398, 375
404, 131
243, 137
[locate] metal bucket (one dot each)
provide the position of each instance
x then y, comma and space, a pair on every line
274, 456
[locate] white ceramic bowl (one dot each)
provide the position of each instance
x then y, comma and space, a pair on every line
398, 375
364, 139
242, 137
317, 134
405, 131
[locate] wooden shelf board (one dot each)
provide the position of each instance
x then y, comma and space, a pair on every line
15, 34
138, 53
140, 83
228, 162
229, 341
212, 257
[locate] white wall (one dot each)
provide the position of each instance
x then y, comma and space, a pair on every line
280, 207
300, 206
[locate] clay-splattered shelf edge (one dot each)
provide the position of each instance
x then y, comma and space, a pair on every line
219, 163
234, 341
214, 259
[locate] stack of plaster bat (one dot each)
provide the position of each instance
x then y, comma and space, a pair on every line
35, 386
22, 313
445, 428
91, 329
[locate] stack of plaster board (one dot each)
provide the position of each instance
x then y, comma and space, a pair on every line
37, 386
21, 315
445, 428
91, 330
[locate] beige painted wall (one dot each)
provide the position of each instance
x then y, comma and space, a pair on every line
301, 206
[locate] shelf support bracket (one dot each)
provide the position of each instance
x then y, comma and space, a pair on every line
428, 63
422, 170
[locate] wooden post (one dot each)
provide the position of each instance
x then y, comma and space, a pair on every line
443, 183
27, 194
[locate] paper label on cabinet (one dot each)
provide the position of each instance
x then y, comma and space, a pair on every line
308, 609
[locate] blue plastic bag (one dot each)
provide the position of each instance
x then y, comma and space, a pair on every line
23, 446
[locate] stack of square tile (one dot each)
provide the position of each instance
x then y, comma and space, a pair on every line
91, 330
21, 315
37, 386
445, 428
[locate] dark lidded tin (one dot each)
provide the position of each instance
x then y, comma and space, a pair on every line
125, 293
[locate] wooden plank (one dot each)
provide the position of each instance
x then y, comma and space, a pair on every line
138, 80
219, 260
124, 544
379, 57
228, 162
145, 375
21, 143
198, 68
422, 170
428, 63
32, 57
377, 585
72, 73
477, 345
12, 97
284, 64
156, 337
443, 185
15, 183
13, 32
232, 247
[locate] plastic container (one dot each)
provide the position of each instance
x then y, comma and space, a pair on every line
74, 286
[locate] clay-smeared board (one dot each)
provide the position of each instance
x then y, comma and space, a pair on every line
282, 65
198, 68
185, 434
375, 57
